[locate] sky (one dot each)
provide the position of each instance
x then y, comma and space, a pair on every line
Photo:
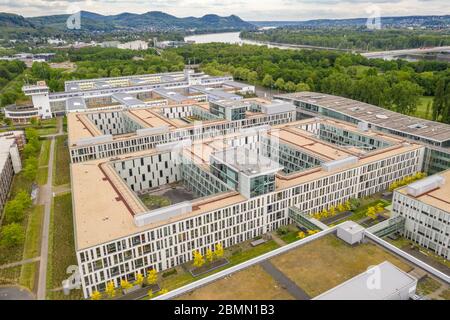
256, 10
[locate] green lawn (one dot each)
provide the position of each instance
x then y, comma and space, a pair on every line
42, 176
10, 275
360, 212
427, 286
290, 237
61, 247
445, 294
32, 248
403, 242
61, 174
47, 127
235, 255
45, 153
154, 202
421, 111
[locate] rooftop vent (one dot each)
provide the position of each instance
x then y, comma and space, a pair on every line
382, 116
337, 164
425, 185
418, 126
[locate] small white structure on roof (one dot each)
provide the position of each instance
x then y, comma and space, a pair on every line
382, 282
350, 232
425, 185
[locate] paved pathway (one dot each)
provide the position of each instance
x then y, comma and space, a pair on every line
15, 293
45, 198
19, 263
284, 281
277, 239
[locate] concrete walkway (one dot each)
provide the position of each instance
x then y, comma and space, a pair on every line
45, 198
19, 263
284, 281
277, 239
15, 293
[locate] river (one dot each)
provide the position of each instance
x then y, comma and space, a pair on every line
229, 37
407, 54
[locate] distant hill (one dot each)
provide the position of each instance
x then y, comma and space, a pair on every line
150, 21
396, 22
14, 20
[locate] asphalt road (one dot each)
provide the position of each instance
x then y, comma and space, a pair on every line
15, 293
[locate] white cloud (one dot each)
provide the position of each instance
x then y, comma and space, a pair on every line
247, 9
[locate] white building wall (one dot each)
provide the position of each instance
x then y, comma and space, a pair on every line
425, 224
149, 172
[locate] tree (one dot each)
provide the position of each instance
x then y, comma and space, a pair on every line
96, 295
150, 294
332, 211
14, 211
198, 259
24, 198
209, 255
152, 277
12, 235
268, 81
405, 96
124, 284
379, 207
30, 170
311, 232
218, 251
110, 289
371, 213
139, 279
341, 207
290, 86
301, 235
301, 86
438, 101
279, 83
163, 291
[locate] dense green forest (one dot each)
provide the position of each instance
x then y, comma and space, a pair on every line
354, 38
91, 63
397, 85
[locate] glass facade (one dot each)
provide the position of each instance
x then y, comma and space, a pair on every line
261, 185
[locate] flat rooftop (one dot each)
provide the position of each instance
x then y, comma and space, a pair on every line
80, 125
438, 197
95, 225
379, 116
249, 162
306, 271
392, 281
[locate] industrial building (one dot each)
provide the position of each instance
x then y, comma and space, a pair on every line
425, 207
225, 188
435, 135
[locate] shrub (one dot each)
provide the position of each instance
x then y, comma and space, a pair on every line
12, 235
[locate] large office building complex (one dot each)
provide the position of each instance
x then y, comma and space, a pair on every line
227, 188
130, 92
435, 135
